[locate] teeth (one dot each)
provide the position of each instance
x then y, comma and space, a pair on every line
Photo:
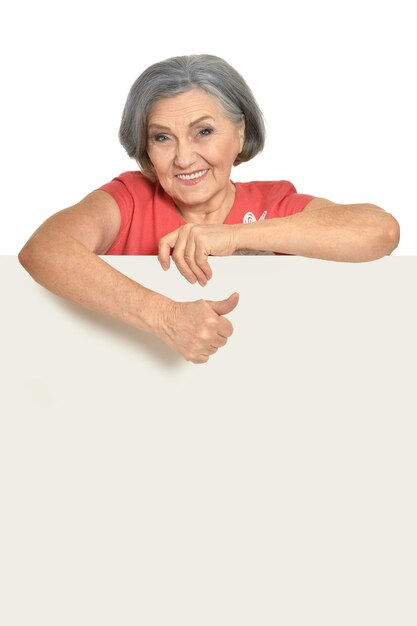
191, 176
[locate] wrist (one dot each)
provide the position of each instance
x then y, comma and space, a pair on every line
235, 230
262, 235
167, 320
151, 310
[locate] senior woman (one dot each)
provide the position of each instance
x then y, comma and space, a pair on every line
187, 120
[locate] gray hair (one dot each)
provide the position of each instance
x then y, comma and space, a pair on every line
179, 75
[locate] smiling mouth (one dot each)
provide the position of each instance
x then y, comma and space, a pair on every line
192, 176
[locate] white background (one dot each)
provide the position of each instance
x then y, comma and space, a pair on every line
335, 80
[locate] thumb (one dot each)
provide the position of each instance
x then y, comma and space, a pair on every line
222, 307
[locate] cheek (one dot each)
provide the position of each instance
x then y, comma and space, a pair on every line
225, 152
158, 160
229, 151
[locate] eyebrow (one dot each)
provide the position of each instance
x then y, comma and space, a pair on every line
200, 119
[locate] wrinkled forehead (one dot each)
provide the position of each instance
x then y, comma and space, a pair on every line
184, 108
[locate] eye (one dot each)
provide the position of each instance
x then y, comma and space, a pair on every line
160, 138
205, 132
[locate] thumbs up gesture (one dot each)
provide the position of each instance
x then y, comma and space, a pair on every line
196, 330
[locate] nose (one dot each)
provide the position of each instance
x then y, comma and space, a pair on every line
184, 155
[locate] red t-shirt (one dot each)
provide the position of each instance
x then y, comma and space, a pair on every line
148, 212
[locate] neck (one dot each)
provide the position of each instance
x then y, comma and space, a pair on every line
213, 212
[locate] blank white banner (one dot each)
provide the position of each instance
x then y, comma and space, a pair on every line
274, 485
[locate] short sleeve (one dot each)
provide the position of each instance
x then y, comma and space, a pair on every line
292, 202
121, 194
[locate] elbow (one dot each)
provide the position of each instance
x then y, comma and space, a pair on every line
24, 256
389, 230
383, 234
391, 234
28, 256
382, 238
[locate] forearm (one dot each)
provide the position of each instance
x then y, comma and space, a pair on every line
67, 268
352, 233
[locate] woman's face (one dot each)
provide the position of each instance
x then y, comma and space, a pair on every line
192, 146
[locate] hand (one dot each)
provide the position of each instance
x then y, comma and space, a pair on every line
196, 330
192, 244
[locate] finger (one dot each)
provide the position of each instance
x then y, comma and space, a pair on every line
201, 358
225, 328
222, 307
165, 245
212, 349
178, 255
190, 259
220, 341
201, 258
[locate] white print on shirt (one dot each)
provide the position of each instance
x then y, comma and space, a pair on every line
247, 218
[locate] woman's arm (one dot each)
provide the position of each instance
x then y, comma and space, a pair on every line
62, 256
323, 230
